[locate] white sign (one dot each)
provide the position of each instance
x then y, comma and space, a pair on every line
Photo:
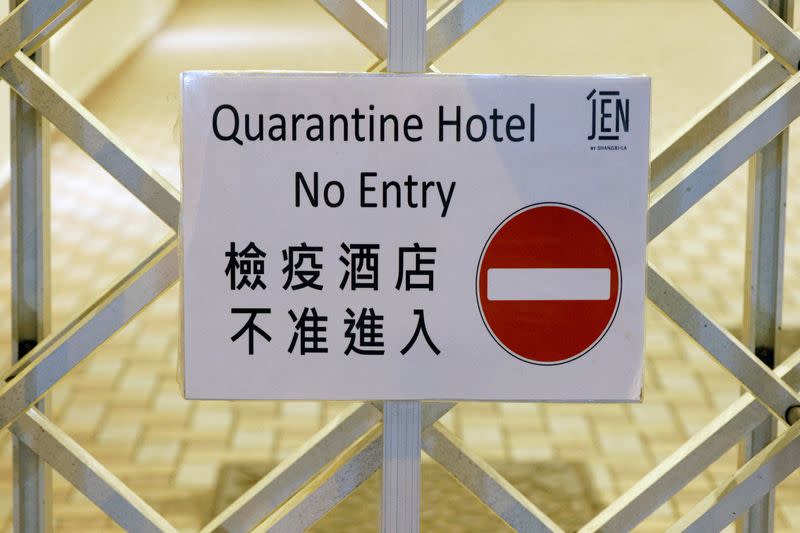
430, 237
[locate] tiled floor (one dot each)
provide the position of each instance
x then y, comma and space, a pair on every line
123, 404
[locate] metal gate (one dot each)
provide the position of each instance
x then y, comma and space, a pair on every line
747, 121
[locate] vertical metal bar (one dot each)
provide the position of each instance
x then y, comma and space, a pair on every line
407, 23
402, 427
30, 279
764, 280
401, 464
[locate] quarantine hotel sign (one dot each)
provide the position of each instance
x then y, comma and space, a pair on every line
413, 236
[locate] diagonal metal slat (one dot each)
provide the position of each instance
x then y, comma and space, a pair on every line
456, 38
724, 155
752, 481
352, 469
329, 488
59, 353
75, 7
772, 391
690, 460
448, 26
445, 26
483, 481
287, 478
759, 82
77, 123
22, 25
771, 75
362, 22
87, 474
766, 27
435, 12
298, 469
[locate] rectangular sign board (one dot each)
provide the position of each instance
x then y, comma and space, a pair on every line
430, 237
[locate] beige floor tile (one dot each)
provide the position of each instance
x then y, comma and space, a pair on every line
530, 448
83, 418
216, 420
196, 475
158, 452
576, 427
261, 440
119, 433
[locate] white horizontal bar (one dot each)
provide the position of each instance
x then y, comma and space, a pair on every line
529, 284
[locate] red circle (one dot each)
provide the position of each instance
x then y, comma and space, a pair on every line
554, 236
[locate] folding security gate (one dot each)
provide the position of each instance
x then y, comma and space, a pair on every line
747, 121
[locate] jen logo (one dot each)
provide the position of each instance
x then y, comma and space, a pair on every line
610, 115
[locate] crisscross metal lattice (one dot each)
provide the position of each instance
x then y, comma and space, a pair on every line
749, 117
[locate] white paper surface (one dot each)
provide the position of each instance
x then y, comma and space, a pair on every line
250, 193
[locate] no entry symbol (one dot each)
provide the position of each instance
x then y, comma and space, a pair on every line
548, 283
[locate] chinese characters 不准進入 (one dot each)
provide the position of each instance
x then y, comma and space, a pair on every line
364, 333
363, 328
